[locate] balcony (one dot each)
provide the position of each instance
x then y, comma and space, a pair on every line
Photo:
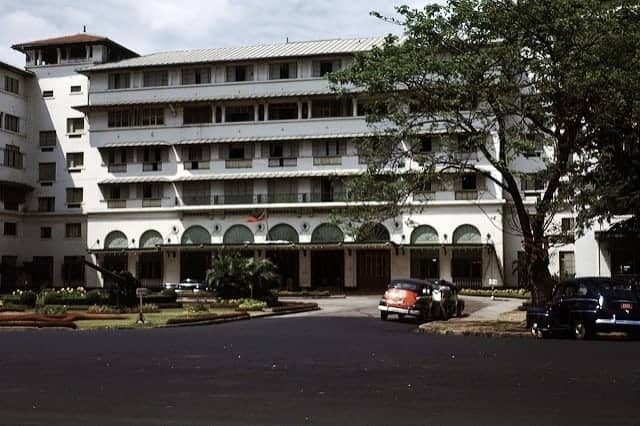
117, 167
238, 164
152, 202
151, 166
327, 161
206, 199
283, 162
116, 204
196, 165
466, 195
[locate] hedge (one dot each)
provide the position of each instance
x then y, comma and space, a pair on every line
25, 298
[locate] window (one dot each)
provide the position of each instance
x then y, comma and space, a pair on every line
47, 93
10, 229
197, 114
155, 78
48, 139
151, 159
330, 148
236, 152
536, 144
73, 230
284, 70
331, 108
532, 182
322, 68
12, 197
567, 265
11, 123
45, 232
13, 157
283, 111
568, 224
469, 183
196, 76
74, 197
240, 73
73, 270
11, 84
425, 144
47, 172
120, 80
75, 126
77, 52
136, 117
75, 160
76, 89
46, 204
239, 113
117, 160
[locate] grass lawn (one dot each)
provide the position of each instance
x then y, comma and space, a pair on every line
151, 320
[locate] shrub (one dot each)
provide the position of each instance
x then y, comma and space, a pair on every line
234, 276
252, 305
197, 307
52, 310
103, 309
20, 297
164, 296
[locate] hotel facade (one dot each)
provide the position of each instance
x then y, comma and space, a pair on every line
154, 163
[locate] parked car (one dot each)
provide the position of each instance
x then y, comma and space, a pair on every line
186, 285
422, 299
585, 306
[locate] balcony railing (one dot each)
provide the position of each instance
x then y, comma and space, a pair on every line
466, 195
327, 161
116, 204
149, 166
424, 196
238, 164
152, 202
196, 165
117, 167
205, 199
283, 162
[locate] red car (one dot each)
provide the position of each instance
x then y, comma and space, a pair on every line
422, 299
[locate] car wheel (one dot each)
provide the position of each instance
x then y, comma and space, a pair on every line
579, 330
460, 308
422, 317
537, 331
400, 316
633, 335
384, 315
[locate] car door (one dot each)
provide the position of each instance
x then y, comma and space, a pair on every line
555, 307
566, 305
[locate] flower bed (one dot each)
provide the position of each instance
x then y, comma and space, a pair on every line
202, 318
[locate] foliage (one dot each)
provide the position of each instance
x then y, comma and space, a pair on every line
252, 305
72, 297
164, 296
196, 307
51, 309
20, 297
103, 309
233, 276
499, 78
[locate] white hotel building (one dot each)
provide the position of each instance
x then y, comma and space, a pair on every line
153, 163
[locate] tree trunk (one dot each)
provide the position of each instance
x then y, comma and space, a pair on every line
538, 275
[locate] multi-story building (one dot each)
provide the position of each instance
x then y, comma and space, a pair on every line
153, 163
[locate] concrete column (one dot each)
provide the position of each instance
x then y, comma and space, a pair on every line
256, 115
266, 111
132, 259
349, 268
59, 54
299, 110
445, 263
354, 102
309, 103
400, 264
86, 52
171, 262
305, 268
222, 113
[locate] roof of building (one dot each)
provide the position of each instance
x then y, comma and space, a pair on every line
16, 69
80, 38
280, 50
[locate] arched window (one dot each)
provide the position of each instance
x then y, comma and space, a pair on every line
238, 234
116, 240
196, 235
373, 233
466, 234
424, 234
283, 232
150, 239
327, 233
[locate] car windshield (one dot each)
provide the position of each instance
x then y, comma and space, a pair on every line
404, 285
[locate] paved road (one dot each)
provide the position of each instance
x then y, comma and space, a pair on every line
323, 369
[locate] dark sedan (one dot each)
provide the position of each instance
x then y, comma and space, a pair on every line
585, 306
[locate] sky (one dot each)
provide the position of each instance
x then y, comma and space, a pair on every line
148, 26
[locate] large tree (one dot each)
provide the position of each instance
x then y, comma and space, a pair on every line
497, 77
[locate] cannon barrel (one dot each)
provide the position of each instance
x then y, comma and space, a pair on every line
119, 278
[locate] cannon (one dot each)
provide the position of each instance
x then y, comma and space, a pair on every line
124, 290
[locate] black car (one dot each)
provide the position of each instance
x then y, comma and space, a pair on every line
585, 306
